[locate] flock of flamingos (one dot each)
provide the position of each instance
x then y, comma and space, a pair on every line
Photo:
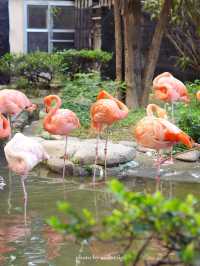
154, 131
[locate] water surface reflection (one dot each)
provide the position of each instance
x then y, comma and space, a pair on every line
38, 244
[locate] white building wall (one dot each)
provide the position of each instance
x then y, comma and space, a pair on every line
16, 20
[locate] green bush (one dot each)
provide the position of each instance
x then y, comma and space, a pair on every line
188, 117
81, 92
83, 61
38, 69
138, 225
32, 70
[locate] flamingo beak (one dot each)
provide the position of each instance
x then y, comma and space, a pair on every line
186, 140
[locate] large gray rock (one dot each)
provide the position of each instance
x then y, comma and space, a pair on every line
56, 165
144, 149
83, 152
24, 119
128, 143
188, 156
81, 157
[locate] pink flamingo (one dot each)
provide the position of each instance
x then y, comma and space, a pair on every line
104, 112
59, 121
169, 89
5, 130
158, 133
23, 154
13, 102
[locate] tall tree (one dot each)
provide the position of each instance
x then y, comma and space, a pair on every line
138, 77
154, 50
118, 40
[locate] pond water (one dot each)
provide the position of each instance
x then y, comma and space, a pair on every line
37, 244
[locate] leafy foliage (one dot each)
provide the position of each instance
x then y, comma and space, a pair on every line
33, 70
188, 117
140, 223
81, 92
183, 30
83, 61
38, 69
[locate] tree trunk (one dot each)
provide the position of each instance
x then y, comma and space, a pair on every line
118, 45
131, 91
154, 50
132, 29
118, 40
137, 64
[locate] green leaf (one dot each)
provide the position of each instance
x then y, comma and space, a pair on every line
63, 206
188, 253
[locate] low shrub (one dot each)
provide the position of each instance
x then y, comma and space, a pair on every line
33, 70
83, 61
147, 229
38, 69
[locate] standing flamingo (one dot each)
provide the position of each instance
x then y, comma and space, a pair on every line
169, 89
23, 154
158, 133
59, 121
104, 112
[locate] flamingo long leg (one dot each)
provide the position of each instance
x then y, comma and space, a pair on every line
10, 191
96, 157
105, 155
171, 156
65, 158
158, 170
25, 198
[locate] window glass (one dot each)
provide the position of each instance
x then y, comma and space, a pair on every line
37, 41
37, 16
63, 35
62, 17
50, 26
59, 46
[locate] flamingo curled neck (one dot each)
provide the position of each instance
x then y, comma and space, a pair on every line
153, 108
123, 109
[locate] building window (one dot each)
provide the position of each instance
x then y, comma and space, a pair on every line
49, 24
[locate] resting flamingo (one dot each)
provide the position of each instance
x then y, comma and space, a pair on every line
104, 112
158, 133
59, 121
23, 154
13, 102
169, 89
